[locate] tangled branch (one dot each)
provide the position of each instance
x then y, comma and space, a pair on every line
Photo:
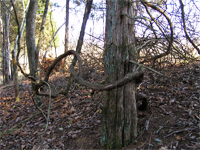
127, 78
184, 26
145, 3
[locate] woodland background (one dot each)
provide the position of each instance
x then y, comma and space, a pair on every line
58, 113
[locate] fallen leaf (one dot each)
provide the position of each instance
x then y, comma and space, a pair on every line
17, 119
74, 136
69, 112
16, 132
23, 134
73, 109
66, 105
23, 146
178, 137
48, 132
88, 108
163, 148
52, 116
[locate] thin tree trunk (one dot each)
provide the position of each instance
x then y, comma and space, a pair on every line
67, 27
6, 44
16, 51
80, 40
7, 50
15, 76
66, 30
1, 43
30, 38
119, 120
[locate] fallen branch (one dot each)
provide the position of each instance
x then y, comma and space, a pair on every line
178, 131
170, 40
149, 69
185, 28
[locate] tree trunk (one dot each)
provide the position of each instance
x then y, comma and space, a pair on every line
119, 120
67, 27
30, 38
66, 31
16, 51
15, 77
6, 44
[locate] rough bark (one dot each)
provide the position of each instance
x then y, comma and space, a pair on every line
1, 43
119, 120
30, 37
6, 44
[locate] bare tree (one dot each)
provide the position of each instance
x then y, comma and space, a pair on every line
30, 38
5, 12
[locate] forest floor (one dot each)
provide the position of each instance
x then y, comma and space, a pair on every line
171, 121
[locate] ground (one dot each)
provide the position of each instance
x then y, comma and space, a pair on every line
171, 121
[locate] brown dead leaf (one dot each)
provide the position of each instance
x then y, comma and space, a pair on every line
69, 112
23, 134
24, 117
178, 137
88, 108
52, 116
36, 132
74, 121
6, 135
16, 132
161, 99
23, 146
40, 118
73, 109
48, 132
63, 115
14, 117
66, 105
81, 98
58, 98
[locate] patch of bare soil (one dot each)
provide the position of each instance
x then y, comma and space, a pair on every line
171, 121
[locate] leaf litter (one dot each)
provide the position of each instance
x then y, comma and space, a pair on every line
172, 120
